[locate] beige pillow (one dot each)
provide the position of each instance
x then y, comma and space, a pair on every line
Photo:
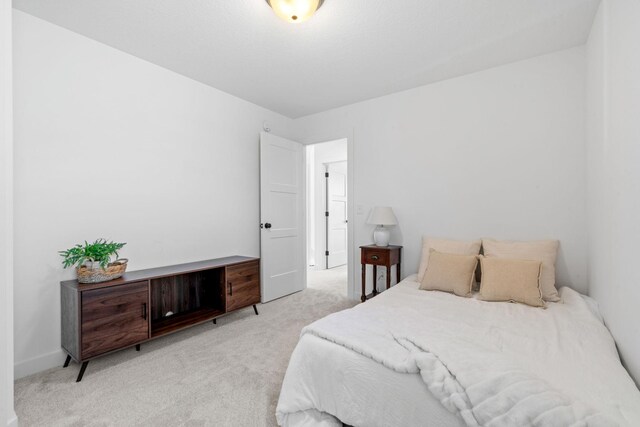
545, 251
460, 247
516, 280
450, 273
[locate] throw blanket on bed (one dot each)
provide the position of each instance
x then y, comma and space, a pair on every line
495, 364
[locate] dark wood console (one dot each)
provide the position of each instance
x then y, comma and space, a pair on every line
142, 305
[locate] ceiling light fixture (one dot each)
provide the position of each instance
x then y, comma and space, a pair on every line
295, 10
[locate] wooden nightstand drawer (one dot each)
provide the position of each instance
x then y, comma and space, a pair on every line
375, 257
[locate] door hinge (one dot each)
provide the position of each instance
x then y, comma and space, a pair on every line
326, 253
326, 213
326, 174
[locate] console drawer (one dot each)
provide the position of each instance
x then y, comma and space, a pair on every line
243, 285
114, 318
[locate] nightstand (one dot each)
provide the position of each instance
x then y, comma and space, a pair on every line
384, 256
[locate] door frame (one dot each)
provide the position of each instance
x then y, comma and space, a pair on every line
7, 412
327, 220
351, 249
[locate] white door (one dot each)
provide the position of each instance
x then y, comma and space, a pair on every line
281, 216
337, 219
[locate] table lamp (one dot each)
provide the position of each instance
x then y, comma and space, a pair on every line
381, 216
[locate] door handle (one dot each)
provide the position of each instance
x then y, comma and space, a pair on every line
144, 310
230, 289
267, 225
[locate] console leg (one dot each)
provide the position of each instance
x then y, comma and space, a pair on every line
214, 321
255, 309
137, 347
66, 362
82, 369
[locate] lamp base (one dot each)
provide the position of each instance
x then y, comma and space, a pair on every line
381, 236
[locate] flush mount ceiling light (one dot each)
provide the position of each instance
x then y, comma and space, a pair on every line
295, 10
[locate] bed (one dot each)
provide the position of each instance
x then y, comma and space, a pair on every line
423, 358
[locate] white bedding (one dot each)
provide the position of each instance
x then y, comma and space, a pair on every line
390, 361
331, 379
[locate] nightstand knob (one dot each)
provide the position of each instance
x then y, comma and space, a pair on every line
375, 257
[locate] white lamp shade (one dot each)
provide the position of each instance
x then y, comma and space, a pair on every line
382, 215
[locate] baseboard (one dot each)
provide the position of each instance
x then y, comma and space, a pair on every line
38, 364
13, 421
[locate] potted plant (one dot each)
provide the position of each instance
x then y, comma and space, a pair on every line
93, 261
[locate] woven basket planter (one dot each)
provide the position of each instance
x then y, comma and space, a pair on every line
96, 275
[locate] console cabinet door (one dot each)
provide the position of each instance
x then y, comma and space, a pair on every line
114, 317
243, 285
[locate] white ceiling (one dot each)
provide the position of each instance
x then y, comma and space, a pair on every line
350, 51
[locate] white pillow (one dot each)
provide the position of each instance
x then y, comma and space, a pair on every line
459, 247
545, 251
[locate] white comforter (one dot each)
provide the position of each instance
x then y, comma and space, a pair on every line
496, 364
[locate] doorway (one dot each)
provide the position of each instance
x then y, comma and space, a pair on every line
327, 216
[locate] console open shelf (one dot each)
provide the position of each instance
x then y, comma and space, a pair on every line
183, 320
186, 299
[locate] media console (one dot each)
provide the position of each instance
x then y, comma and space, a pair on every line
142, 305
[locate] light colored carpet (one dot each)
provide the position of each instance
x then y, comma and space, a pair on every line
224, 375
333, 280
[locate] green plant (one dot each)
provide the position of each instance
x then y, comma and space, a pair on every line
100, 251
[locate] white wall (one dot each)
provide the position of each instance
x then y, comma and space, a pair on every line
7, 414
108, 145
497, 153
613, 119
327, 152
